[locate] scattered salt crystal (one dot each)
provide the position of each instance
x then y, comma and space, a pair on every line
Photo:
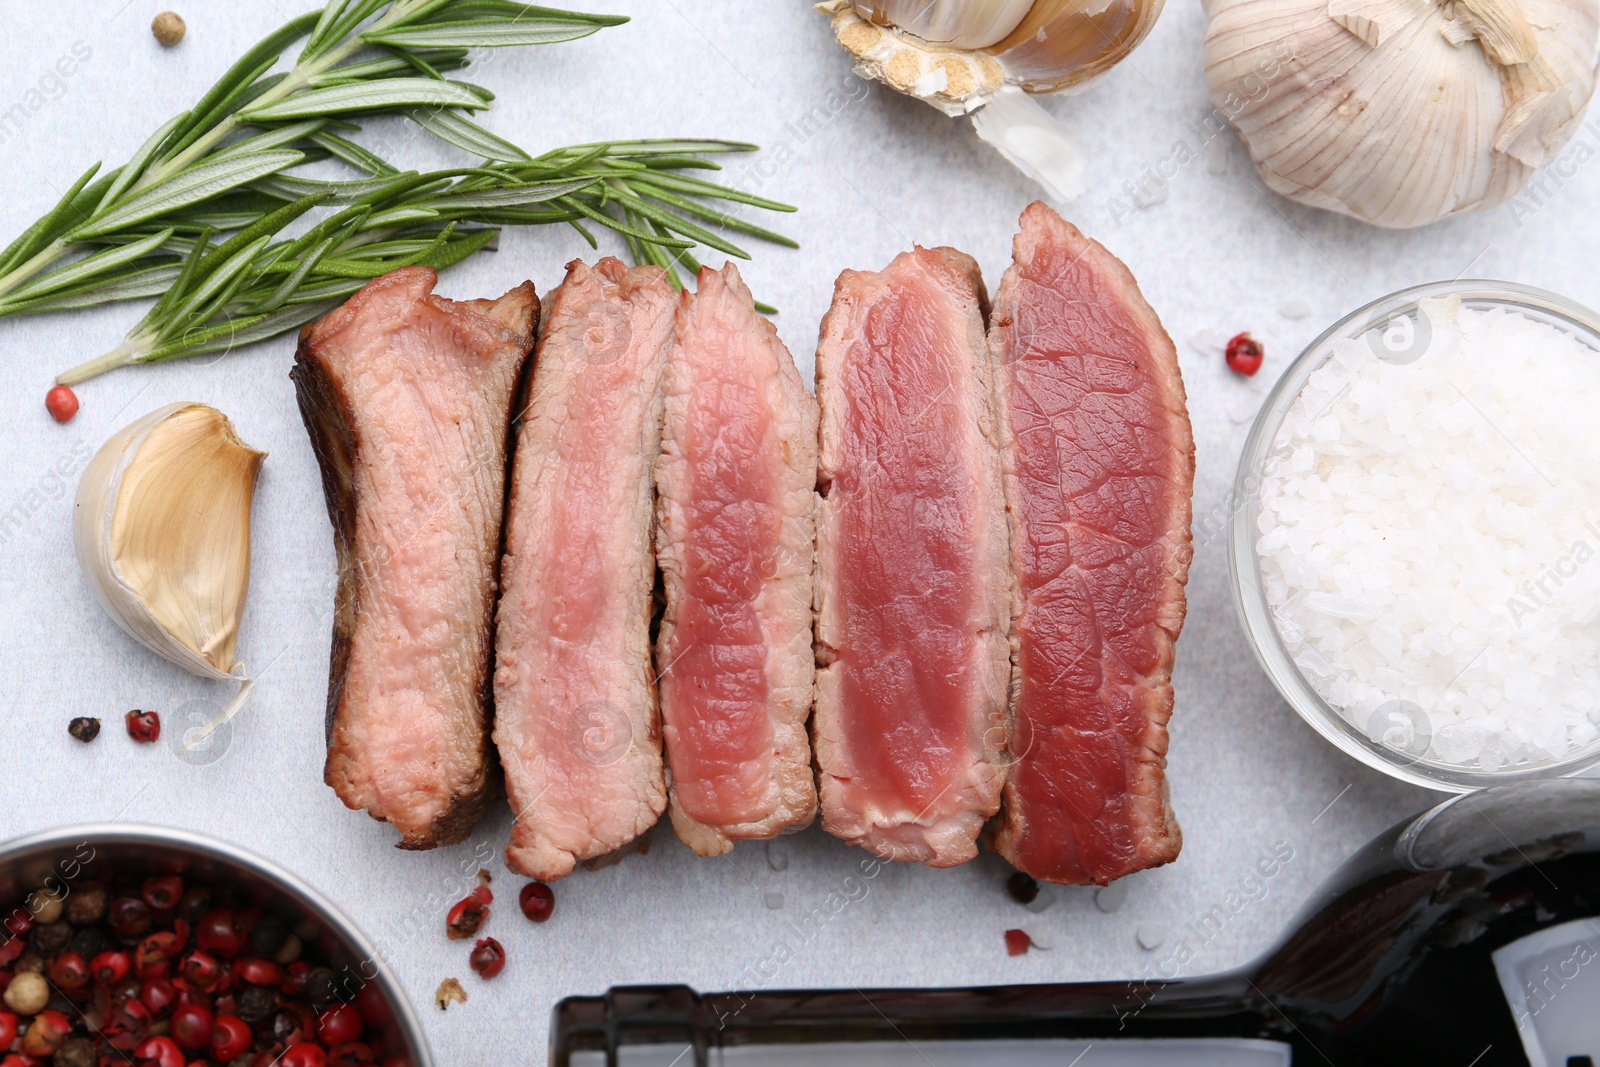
773, 901
1151, 935
1429, 537
1110, 898
1295, 309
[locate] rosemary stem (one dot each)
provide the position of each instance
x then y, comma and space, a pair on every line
129, 351
25, 272
298, 78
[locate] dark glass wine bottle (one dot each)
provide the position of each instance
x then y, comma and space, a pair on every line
1468, 936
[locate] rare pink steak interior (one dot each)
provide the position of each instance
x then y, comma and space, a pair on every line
913, 589
736, 525
575, 699
1099, 475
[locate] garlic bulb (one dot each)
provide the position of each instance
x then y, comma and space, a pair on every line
162, 529
965, 55
1401, 112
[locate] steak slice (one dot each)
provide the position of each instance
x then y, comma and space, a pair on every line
407, 398
1099, 472
736, 526
576, 719
913, 590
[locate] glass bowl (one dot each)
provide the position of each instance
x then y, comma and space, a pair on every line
71, 857
1400, 332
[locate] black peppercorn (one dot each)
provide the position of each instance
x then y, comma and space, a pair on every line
196, 901
51, 939
84, 728
320, 987
1022, 887
268, 936
77, 1052
89, 942
254, 1003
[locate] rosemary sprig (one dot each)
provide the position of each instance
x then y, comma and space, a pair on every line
197, 217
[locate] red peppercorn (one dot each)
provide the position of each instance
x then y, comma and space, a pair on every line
483, 894
339, 1024
143, 726
1017, 942
230, 1039
153, 957
159, 995
10, 949
70, 971
129, 917
8, 1029
62, 403
163, 892
160, 1052
259, 972
192, 1026
294, 978
465, 918
487, 958
19, 922
45, 1034
223, 932
200, 970
129, 1024
304, 1055
109, 968
1244, 354
538, 901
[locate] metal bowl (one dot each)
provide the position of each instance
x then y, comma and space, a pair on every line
75, 856
1396, 323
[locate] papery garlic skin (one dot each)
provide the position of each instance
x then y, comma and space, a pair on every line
1053, 46
949, 23
987, 57
1402, 112
162, 531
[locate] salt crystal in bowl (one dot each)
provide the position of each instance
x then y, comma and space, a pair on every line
1414, 535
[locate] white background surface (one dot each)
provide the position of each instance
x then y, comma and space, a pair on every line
1216, 257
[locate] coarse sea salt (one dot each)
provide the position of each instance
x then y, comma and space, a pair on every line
1430, 537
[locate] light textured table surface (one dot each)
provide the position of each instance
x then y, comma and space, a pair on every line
872, 173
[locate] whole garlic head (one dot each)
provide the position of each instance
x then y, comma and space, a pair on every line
162, 530
1401, 112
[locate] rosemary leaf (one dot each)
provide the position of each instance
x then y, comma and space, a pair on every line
190, 187
482, 34
366, 96
88, 269
462, 132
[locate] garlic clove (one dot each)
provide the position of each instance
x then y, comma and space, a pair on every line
949, 23
1053, 45
162, 530
1063, 44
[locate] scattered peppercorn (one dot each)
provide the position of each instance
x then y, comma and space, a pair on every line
1244, 354
1017, 942
448, 993
464, 919
1022, 888
51, 939
538, 901
169, 28
144, 726
487, 958
162, 892
84, 728
255, 1003
62, 403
